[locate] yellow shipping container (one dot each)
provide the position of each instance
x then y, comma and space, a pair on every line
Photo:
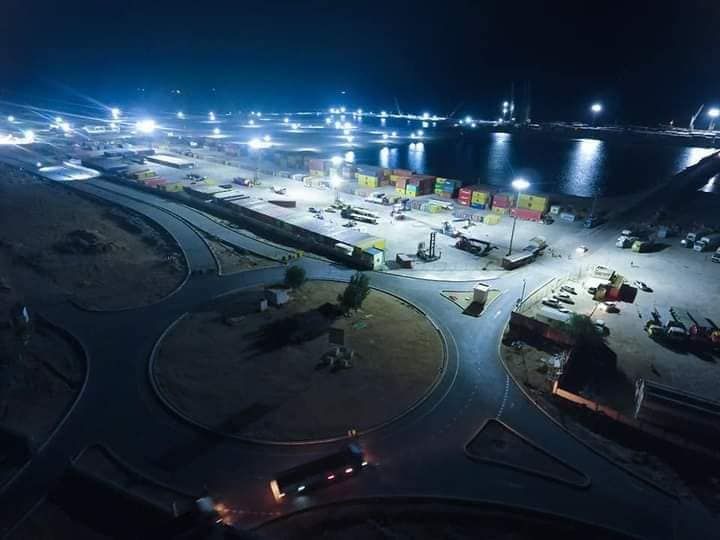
174, 186
533, 202
491, 219
395, 177
501, 211
400, 191
479, 197
373, 242
314, 172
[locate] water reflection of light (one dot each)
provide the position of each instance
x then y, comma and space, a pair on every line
416, 156
350, 157
499, 154
690, 156
388, 157
712, 185
582, 175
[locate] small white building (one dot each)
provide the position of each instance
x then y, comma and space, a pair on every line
480, 293
277, 297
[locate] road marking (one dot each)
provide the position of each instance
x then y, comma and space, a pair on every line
505, 397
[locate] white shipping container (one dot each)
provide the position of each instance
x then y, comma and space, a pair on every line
567, 216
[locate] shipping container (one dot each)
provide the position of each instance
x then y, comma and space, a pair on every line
491, 219
533, 202
172, 187
402, 172
317, 172
526, 214
479, 206
555, 209
465, 193
400, 191
568, 216
401, 183
499, 210
464, 202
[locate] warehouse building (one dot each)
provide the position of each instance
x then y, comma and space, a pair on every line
171, 161
366, 249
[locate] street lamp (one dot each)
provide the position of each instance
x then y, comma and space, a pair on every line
181, 115
519, 184
596, 109
258, 145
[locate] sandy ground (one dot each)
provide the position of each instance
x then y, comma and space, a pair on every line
251, 380
232, 260
41, 373
426, 520
50, 522
59, 245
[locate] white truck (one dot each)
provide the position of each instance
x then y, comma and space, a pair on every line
716, 256
707, 243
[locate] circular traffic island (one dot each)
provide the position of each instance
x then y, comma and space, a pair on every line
299, 371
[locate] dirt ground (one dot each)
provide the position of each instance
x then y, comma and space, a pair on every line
259, 379
423, 520
41, 373
50, 522
59, 245
232, 260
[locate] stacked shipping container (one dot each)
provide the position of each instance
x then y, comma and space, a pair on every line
446, 188
419, 185
316, 167
533, 202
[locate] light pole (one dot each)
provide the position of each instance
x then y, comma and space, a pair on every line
258, 145
596, 109
335, 178
713, 114
519, 184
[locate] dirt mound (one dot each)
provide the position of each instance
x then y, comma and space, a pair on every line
85, 242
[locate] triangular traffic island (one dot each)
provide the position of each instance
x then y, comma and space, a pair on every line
498, 444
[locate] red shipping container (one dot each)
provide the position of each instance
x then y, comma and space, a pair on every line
524, 213
464, 202
400, 184
465, 193
500, 203
402, 172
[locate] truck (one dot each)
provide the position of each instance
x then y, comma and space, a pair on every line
474, 246
707, 243
319, 473
359, 214
510, 262
625, 242
377, 197
692, 236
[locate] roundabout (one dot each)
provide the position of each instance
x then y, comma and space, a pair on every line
270, 375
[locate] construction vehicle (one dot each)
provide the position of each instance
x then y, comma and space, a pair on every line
536, 246
427, 252
474, 246
448, 229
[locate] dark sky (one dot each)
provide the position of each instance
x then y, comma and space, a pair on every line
646, 61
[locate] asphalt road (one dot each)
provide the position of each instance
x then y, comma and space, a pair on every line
420, 454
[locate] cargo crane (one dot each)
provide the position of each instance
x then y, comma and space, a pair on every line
695, 116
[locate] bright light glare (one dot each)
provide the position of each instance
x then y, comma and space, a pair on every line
251, 122
328, 120
385, 136
29, 135
394, 134
58, 120
350, 157
266, 138
468, 119
596, 108
11, 118
714, 112
211, 115
216, 131
115, 112
426, 115
506, 104
295, 126
420, 133
66, 127
180, 115
145, 126
520, 184
336, 160
335, 181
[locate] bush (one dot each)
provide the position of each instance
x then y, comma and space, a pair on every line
294, 277
355, 293
583, 329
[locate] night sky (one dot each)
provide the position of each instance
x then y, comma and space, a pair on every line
646, 61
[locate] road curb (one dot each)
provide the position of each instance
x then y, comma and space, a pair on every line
587, 445
528, 470
188, 270
413, 407
85, 359
491, 505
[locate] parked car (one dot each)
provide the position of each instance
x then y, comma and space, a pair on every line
550, 301
564, 297
568, 289
611, 307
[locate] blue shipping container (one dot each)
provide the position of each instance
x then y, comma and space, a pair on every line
480, 206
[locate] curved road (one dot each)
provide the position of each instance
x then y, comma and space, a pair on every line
420, 454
